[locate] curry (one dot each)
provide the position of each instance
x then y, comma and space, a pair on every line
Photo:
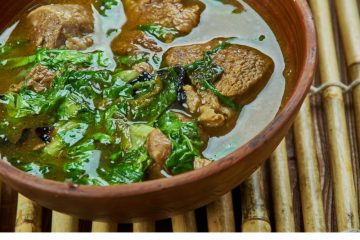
107, 92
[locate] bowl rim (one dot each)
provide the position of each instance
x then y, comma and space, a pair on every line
7, 171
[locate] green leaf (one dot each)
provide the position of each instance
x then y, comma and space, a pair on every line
139, 134
25, 103
103, 6
163, 34
103, 138
72, 132
129, 167
40, 170
55, 147
186, 142
127, 75
117, 125
162, 101
54, 59
67, 135
68, 109
119, 89
83, 161
131, 60
58, 58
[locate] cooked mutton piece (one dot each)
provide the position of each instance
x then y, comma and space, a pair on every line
59, 25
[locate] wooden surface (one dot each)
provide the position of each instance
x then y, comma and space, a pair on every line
310, 183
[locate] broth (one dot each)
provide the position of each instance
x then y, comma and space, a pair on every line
218, 20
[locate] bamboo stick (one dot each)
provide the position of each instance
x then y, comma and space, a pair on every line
281, 190
308, 170
102, 227
255, 217
342, 172
184, 223
64, 223
28, 216
220, 215
349, 20
144, 227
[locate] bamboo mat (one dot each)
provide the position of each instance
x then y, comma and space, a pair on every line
310, 183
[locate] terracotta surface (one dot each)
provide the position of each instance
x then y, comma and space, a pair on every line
294, 27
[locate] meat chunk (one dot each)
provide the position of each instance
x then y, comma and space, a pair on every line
58, 25
167, 13
40, 78
193, 101
210, 118
211, 113
143, 67
158, 146
16, 87
246, 70
79, 43
201, 163
154, 172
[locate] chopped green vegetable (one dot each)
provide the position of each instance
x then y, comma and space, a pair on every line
67, 135
103, 138
103, 6
129, 167
39, 170
161, 102
25, 103
57, 58
118, 125
131, 60
186, 142
83, 160
127, 75
163, 34
72, 132
139, 134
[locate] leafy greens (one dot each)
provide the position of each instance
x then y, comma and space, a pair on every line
186, 141
102, 118
163, 34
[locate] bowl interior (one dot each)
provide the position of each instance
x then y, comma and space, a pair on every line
292, 23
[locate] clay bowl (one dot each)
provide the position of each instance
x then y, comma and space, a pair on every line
293, 24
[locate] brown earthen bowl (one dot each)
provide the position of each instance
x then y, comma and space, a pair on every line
293, 24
